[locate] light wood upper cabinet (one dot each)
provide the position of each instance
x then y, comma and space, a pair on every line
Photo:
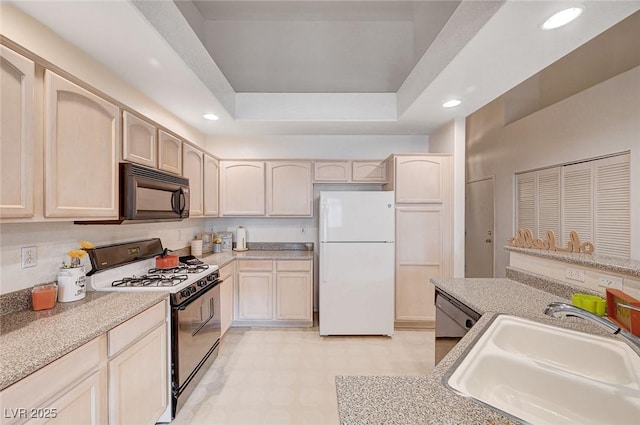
242, 188
193, 169
17, 75
368, 171
82, 137
138, 140
211, 188
421, 179
169, 153
331, 171
289, 189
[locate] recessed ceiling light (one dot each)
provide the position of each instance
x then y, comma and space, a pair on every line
154, 62
562, 18
451, 103
210, 117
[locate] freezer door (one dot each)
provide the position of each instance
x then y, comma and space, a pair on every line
356, 288
360, 216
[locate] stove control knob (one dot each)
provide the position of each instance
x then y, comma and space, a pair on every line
202, 282
185, 292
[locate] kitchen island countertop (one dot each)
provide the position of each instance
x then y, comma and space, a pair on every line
30, 340
425, 399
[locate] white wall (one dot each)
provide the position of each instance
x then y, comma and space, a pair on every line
450, 138
601, 120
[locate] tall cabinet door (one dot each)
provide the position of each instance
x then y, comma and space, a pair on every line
82, 136
289, 189
193, 169
169, 153
242, 188
420, 179
420, 256
16, 134
211, 172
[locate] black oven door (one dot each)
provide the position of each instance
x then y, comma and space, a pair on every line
149, 194
196, 332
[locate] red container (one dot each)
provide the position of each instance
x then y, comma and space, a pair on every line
625, 317
43, 297
167, 262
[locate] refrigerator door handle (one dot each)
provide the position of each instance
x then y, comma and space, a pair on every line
324, 216
324, 268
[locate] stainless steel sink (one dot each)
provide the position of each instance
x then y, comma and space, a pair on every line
543, 374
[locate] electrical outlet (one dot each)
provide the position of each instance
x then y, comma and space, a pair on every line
575, 274
303, 229
609, 281
28, 257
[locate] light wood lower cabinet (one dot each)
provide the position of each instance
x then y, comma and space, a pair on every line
74, 386
274, 293
121, 377
227, 274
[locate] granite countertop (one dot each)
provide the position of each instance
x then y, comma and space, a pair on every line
223, 258
31, 339
424, 399
603, 262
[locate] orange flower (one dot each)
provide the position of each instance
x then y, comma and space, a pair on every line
77, 253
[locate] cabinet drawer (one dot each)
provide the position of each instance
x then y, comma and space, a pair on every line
126, 333
255, 265
54, 378
293, 266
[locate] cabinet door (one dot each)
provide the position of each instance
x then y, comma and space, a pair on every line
421, 179
85, 403
294, 294
242, 188
368, 171
169, 153
255, 296
289, 189
227, 274
211, 168
138, 140
420, 255
138, 381
82, 136
16, 134
193, 169
331, 171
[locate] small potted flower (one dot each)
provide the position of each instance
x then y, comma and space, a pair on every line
217, 245
71, 277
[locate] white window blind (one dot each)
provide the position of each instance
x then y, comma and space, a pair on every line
591, 197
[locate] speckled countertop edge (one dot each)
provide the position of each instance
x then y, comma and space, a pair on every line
30, 340
603, 262
424, 399
223, 258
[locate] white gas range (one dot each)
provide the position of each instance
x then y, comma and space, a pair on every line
194, 320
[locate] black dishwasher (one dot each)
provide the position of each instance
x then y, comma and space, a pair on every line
453, 321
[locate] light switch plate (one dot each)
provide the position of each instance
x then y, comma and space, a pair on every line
609, 281
575, 274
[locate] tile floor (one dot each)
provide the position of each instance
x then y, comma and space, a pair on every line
286, 376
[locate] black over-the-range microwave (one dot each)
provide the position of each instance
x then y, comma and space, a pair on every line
148, 195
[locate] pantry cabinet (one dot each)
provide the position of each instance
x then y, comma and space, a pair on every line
211, 173
274, 293
289, 189
227, 275
72, 389
242, 188
169, 153
82, 137
138, 368
17, 124
193, 169
422, 185
138, 140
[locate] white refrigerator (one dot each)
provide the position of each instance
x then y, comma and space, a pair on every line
357, 254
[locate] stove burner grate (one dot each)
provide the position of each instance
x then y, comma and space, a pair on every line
151, 280
182, 268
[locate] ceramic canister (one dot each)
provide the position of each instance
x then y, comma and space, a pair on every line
71, 284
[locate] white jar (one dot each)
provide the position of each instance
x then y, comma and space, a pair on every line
71, 284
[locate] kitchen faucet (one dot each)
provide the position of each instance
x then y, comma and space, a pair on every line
558, 310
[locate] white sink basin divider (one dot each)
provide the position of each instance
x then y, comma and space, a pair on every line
541, 374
